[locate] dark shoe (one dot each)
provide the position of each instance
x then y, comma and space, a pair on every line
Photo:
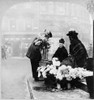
41, 79
91, 96
36, 79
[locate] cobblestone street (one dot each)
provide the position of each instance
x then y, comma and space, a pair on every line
15, 72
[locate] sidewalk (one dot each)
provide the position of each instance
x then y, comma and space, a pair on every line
16, 83
13, 79
40, 93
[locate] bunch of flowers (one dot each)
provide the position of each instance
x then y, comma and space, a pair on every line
72, 73
45, 40
62, 71
55, 73
49, 69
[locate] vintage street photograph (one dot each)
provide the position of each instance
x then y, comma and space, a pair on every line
47, 49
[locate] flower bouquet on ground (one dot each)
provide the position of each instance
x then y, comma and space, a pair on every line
49, 72
55, 73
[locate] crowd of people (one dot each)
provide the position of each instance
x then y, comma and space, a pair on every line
6, 51
77, 51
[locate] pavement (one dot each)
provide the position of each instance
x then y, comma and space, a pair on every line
41, 93
13, 78
17, 83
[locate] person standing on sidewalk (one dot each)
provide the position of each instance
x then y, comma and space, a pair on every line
77, 49
34, 54
79, 52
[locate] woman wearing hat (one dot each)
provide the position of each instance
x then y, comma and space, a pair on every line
78, 52
77, 49
61, 53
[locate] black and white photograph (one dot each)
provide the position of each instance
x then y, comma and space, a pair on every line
47, 49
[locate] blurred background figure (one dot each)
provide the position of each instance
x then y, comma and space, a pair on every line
3, 52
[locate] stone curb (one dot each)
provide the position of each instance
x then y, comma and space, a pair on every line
29, 93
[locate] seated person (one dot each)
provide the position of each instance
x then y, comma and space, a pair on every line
61, 53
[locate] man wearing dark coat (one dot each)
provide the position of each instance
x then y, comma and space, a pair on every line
34, 55
77, 49
61, 53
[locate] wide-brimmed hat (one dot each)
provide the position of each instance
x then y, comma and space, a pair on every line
48, 34
61, 40
72, 34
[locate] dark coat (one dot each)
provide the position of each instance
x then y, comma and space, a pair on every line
78, 51
61, 53
34, 53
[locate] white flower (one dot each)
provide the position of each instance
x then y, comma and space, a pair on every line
63, 67
42, 69
72, 73
53, 71
39, 74
44, 74
38, 68
56, 63
59, 76
51, 66
88, 73
55, 59
69, 67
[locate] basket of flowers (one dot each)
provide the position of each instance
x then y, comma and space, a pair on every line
56, 73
